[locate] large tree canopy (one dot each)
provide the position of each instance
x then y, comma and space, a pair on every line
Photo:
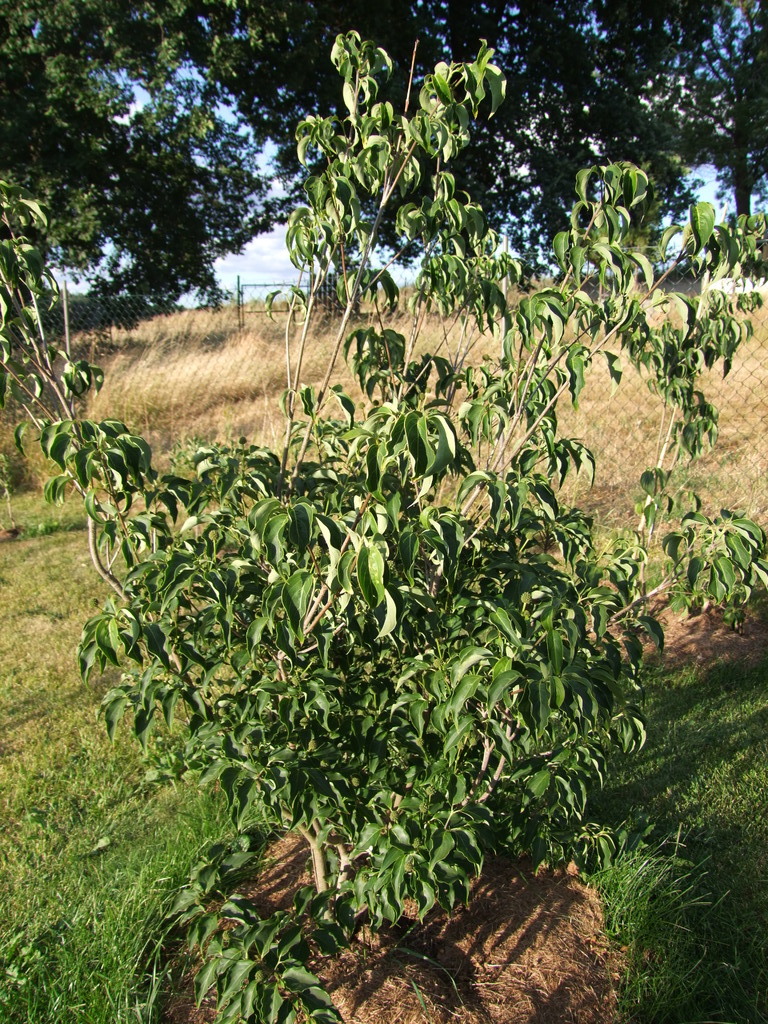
723, 93
585, 84
107, 113
582, 89
145, 125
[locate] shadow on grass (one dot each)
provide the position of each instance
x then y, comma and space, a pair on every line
703, 775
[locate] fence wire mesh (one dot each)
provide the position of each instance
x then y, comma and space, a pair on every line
193, 374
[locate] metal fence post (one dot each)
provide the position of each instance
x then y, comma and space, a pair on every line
65, 308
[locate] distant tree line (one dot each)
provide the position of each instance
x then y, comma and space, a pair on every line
161, 133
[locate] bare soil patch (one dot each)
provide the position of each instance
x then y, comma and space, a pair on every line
703, 639
529, 949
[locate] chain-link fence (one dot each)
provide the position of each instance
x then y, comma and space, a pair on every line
179, 373
626, 426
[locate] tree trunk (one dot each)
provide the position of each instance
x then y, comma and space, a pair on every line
742, 180
743, 195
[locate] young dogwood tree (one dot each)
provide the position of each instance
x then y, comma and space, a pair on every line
392, 636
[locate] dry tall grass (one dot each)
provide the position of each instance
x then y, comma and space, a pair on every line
622, 427
196, 374
206, 379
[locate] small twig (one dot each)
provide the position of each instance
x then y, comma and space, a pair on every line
494, 780
643, 599
410, 77
512, 733
488, 747
101, 569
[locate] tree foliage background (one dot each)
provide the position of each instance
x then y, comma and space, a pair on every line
723, 94
161, 134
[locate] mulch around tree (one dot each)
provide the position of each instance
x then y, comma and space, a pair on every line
703, 638
529, 949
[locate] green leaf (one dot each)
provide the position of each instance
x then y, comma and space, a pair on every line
345, 402
554, 649
232, 981
653, 629
370, 575
297, 978
502, 684
667, 236
614, 367
302, 517
388, 620
497, 84
538, 784
645, 266
560, 246
576, 365
695, 569
535, 705
445, 453
418, 443
466, 659
500, 618
114, 709
206, 976
725, 572
296, 596
457, 734
738, 550
582, 181
702, 223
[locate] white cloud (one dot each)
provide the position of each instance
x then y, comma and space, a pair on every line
263, 261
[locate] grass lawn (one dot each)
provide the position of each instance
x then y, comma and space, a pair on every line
90, 852
695, 916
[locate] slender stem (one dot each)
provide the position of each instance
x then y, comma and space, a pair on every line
410, 77
346, 868
382, 270
494, 780
32, 398
7, 493
294, 379
318, 860
643, 599
488, 747
313, 617
65, 308
659, 465
288, 323
101, 569
387, 194
321, 396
